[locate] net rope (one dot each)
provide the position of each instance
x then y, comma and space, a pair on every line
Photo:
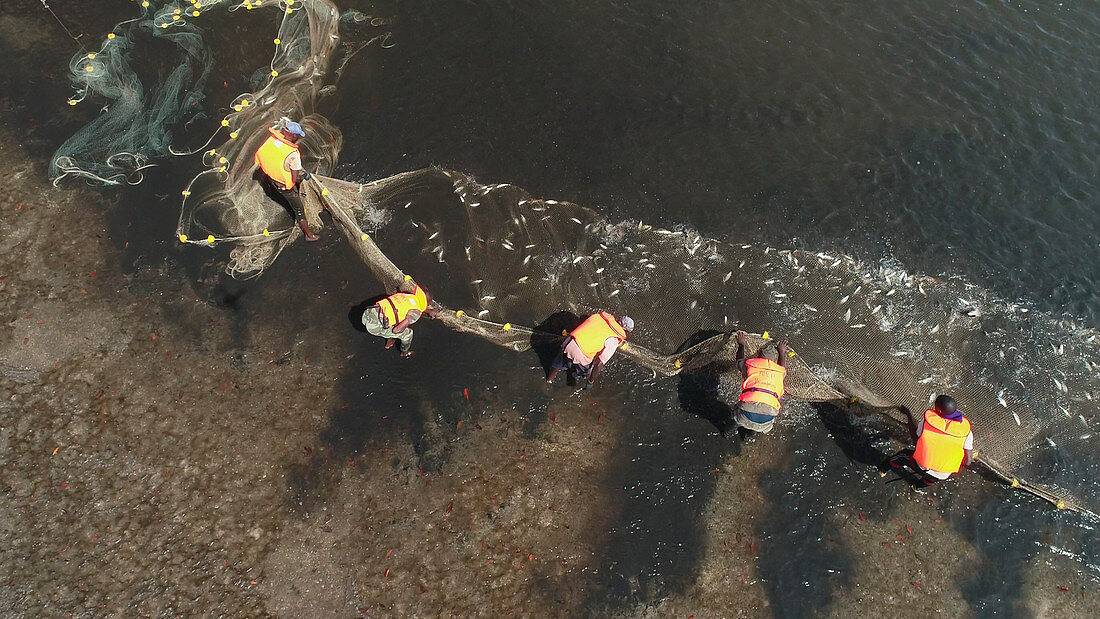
517, 270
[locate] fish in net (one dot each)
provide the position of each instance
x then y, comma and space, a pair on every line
874, 336
516, 270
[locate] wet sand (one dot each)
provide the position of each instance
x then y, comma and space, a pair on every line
176, 445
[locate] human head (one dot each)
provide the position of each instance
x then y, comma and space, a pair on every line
945, 405
293, 132
627, 322
769, 352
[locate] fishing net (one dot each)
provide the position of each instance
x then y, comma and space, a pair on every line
519, 270
876, 338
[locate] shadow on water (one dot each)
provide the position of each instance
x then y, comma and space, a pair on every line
660, 483
804, 562
699, 390
547, 336
385, 402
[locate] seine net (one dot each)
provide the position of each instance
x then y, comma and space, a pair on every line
519, 270
874, 336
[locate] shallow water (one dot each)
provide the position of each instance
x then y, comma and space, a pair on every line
951, 140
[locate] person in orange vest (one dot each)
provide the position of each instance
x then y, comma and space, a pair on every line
590, 346
390, 317
281, 163
945, 442
762, 388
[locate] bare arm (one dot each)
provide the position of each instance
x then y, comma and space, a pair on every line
741, 343
597, 365
784, 350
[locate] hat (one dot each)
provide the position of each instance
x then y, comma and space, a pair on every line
627, 322
295, 129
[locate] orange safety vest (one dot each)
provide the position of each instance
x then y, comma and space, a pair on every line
940, 444
594, 331
764, 382
271, 157
395, 307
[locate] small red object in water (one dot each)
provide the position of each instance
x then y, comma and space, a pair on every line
450, 506
917, 585
553, 417
387, 572
752, 547
225, 84
64, 485
389, 553
901, 538
1063, 589
92, 274
466, 393
862, 517
909, 529
459, 425
308, 449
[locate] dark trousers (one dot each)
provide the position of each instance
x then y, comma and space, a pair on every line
291, 199
904, 459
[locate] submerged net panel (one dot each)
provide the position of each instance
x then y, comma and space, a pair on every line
517, 268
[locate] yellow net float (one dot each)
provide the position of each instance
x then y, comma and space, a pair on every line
183, 238
459, 314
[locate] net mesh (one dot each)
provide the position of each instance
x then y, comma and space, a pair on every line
518, 270
873, 336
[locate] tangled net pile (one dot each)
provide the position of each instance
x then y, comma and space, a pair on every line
506, 266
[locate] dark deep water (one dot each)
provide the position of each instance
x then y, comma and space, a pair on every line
958, 140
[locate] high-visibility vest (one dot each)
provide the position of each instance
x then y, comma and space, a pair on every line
940, 444
395, 307
594, 331
763, 382
271, 157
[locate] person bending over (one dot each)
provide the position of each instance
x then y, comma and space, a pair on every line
590, 346
945, 442
391, 317
762, 388
281, 163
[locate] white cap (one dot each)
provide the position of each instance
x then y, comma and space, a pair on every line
627, 322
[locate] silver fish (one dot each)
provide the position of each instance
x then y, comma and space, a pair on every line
1001, 398
614, 292
727, 277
